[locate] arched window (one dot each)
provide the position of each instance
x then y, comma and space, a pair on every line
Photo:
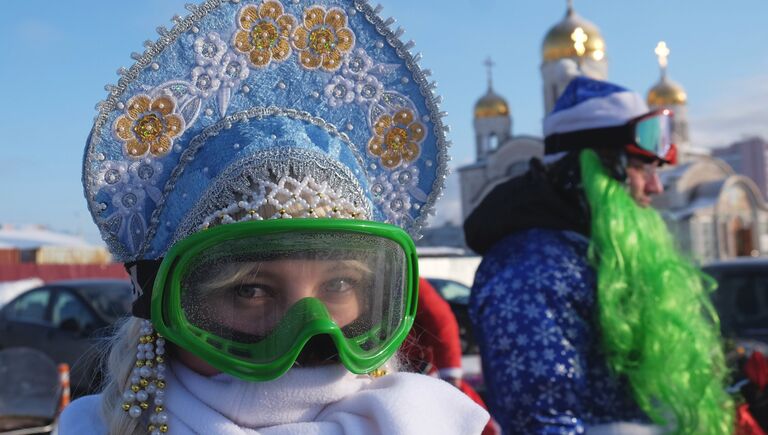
493, 142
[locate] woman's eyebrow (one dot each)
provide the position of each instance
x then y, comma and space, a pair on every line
343, 266
262, 273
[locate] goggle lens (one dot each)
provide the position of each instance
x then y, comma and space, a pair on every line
654, 135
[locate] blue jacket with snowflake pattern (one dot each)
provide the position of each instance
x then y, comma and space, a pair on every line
533, 311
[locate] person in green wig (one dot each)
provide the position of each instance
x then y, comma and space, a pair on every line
589, 320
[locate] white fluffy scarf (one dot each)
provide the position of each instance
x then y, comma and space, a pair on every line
323, 400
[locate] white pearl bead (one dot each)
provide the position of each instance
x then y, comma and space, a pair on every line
135, 411
129, 396
145, 372
159, 401
151, 388
162, 417
135, 379
142, 396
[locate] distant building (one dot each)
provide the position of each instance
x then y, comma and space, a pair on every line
38, 245
712, 208
748, 157
500, 154
713, 212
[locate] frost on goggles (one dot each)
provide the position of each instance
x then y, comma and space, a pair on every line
256, 300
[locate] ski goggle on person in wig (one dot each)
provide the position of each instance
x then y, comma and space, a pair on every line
649, 137
247, 297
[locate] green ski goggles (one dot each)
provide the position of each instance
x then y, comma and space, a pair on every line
247, 297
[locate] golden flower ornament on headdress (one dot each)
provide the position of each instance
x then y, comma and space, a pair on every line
264, 33
149, 125
397, 138
323, 38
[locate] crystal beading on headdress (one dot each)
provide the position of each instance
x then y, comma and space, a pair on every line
259, 110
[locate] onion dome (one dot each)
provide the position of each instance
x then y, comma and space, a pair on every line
559, 42
491, 105
666, 93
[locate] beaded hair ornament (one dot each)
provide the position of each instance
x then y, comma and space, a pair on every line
259, 110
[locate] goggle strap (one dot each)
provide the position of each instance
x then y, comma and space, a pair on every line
143, 274
604, 137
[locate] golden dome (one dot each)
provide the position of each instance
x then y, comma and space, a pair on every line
666, 93
491, 105
558, 43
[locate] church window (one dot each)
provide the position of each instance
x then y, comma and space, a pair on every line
493, 142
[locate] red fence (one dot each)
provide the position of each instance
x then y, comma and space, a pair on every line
55, 272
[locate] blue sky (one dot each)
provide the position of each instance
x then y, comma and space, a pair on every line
58, 55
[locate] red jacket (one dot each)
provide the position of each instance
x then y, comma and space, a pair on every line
433, 343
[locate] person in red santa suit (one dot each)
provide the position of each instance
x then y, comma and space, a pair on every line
433, 345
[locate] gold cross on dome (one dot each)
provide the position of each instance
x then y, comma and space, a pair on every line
489, 63
662, 51
579, 37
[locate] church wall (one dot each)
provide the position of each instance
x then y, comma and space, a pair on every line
473, 181
749, 158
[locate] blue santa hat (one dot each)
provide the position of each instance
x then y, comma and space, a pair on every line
590, 104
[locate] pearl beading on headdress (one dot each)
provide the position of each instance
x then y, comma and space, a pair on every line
288, 198
148, 379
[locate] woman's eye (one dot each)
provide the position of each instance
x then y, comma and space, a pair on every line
340, 285
251, 291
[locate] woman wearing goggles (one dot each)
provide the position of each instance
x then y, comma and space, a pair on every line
261, 176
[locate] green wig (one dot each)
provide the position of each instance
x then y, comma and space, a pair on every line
658, 326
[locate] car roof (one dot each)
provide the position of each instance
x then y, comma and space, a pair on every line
89, 282
738, 263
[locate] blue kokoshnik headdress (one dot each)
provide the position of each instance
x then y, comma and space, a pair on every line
291, 95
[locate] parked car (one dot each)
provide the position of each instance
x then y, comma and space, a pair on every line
11, 289
67, 320
30, 392
457, 296
741, 299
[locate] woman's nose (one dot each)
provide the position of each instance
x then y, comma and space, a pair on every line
295, 293
653, 184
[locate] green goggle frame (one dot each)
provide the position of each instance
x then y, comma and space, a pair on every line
304, 320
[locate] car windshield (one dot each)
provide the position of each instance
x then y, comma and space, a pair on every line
451, 291
110, 299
